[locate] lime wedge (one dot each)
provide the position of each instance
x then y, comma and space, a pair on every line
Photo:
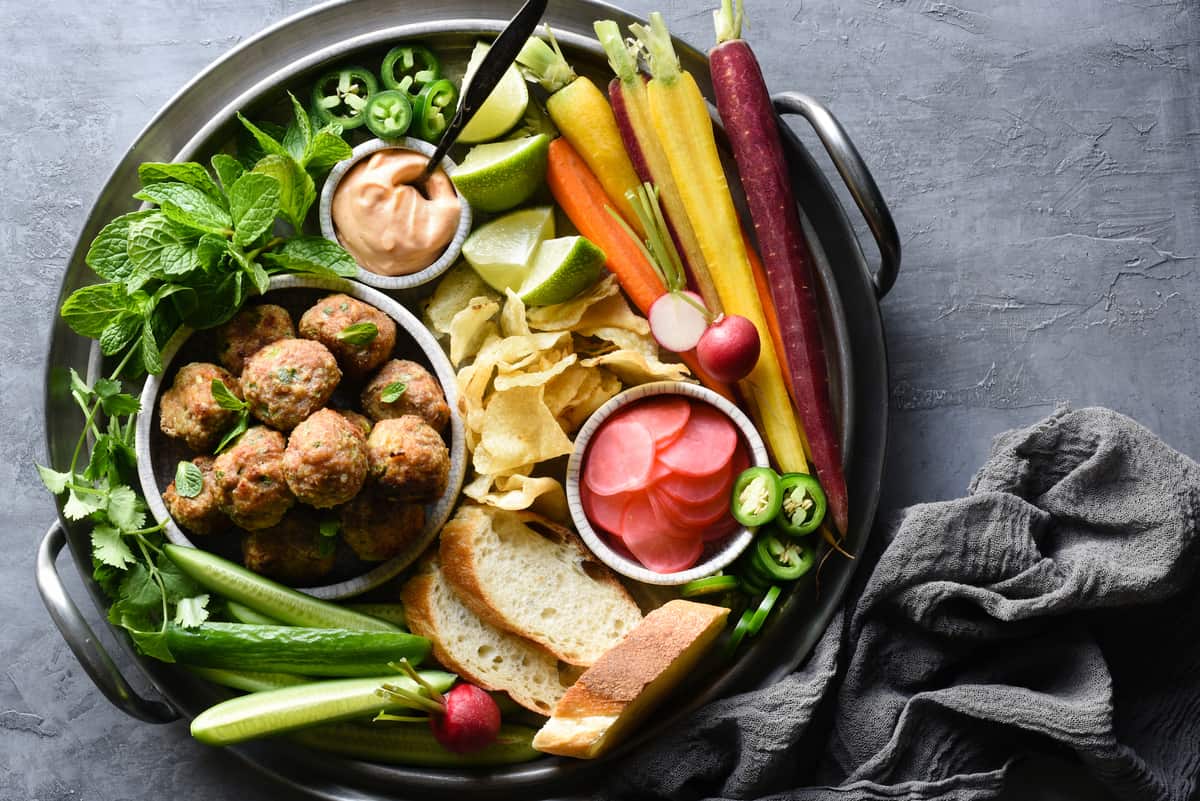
504, 107
561, 269
502, 251
502, 175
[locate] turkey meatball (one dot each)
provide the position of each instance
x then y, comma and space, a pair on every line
254, 491
202, 513
408, 459
359, 421
377, 528
326, 460
188, 410
293, 551
357, 351
288, 380
422, 394
249, 331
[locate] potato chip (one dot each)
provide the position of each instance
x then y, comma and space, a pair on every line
563, 388
535, 378
518, 492
471, 327
454, 293
565, 316
512, 319
624, 339
589, 399
634, 367
518, 429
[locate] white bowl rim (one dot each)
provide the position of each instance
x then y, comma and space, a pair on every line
437, 513
394, 282
736, 542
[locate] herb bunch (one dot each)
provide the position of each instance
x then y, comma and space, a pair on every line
210, 241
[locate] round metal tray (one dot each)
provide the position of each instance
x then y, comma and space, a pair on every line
287, 54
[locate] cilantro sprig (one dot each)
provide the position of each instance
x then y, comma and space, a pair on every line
207, 242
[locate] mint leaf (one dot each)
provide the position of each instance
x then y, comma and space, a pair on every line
253, 204
157, 243
55, 481
188, 206
110, 547
255, 271
298, 137
125, 509
225, 397
267, 143
239, 428
108, 255
296, 189
90, 309
151, 356
209, 250
218, 297
189, 480
358, 334
120, 331
228, 169
392, 392
188, 172
327, 149
315, 255
191, 612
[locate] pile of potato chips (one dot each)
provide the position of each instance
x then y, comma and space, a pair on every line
532, 376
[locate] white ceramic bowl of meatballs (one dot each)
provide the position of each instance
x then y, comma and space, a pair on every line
352, 454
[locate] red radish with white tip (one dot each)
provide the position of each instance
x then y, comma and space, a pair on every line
678, 320
729, 348
470, 723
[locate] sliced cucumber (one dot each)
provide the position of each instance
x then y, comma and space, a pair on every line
277, 711
414, 744
270, 598
249, 680
244, 614
392, 613
292, 649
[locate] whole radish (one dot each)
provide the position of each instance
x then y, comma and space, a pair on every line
470, 722
729, 348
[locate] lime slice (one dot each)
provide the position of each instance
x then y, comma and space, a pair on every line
502, 251
504, 107
502, 175
561, 269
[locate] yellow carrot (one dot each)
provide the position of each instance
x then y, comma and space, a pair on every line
684, 129
584, 118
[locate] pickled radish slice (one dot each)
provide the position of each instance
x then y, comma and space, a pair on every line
705, 446
692, 516
619, 458
604, 511
720, 530
664, 416
686, 489
645, 539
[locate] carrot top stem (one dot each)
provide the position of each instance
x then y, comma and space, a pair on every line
728, 20
622, 55
660, 52
545, 63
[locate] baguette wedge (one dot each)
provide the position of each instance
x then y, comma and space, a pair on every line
614, 694
527, 575
480, 653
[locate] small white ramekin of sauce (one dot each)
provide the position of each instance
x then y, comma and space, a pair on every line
402, 235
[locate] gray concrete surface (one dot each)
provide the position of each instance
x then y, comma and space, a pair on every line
1042, 160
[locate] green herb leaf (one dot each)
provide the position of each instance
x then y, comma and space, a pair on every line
110, 547
330, 526
227, 168
296, 189
189, 480
328, 148
191, 612
90, 309
80, 505
188, 206
358, 334
152, 644
239, 428
122, 330
139, 590
125, 509
189, 173
114, 402
268, 144
258, 276
174, 581
297, 139
160, 246
209, 250
225, 397
254, 204
55, 481
148, 345
108, 255
113, 459
218, 297
314, 255
392, 392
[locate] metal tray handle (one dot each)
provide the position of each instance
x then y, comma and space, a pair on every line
82, 640
857, 178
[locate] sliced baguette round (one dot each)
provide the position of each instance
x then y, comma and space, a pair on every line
480, 653
527, 575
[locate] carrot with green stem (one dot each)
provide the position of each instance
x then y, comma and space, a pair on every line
583, 116
750, 122
627, 94
684, 129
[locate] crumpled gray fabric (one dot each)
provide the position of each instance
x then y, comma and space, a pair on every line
1052, 612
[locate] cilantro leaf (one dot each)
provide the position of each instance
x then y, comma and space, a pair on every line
314, 255
296, 189
191, 612
108, 255
392, 392
80, 505
189, 480
125, 509
112, 400
55, 481
327, 149
175, 581
139, 589
112, 459
152, 644
189, 173
110, 547
228, 169
254, 204
89, 309
188, 206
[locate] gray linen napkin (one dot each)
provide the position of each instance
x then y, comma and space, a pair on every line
1050, 613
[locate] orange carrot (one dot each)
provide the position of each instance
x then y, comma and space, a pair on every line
579, 193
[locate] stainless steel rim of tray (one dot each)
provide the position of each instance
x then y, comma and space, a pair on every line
850, 291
